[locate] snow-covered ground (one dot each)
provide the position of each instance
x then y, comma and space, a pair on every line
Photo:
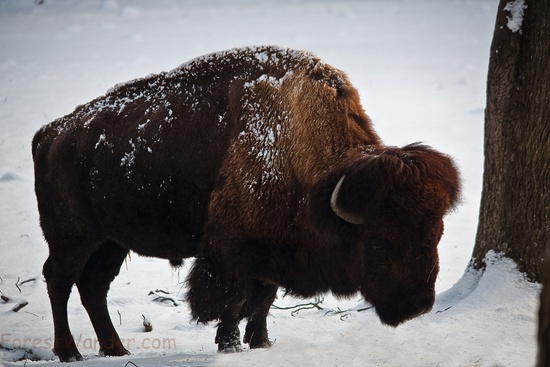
420, 66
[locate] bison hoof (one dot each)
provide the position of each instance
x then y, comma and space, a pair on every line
114, 352
72, 357
257, 341
256, 338
257, 344
230, 347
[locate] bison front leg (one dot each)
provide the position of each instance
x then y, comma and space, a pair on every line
228, 334
252, 301
262, 298
212, 296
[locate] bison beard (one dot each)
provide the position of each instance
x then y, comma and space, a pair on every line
261, 163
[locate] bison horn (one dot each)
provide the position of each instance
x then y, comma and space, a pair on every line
348, 217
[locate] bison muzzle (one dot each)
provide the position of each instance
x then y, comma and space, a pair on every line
259, 162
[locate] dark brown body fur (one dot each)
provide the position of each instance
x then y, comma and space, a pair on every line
233, 158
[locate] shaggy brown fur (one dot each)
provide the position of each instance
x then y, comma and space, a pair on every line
233, 158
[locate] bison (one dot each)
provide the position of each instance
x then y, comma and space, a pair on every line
259, 162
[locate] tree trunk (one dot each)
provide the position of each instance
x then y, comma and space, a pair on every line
515, 206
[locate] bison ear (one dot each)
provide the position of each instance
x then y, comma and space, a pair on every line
431, 179
365, 188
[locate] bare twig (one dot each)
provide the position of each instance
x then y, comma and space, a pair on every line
5, 298
316, 304
275, 307
20, 306
363, 309
159, 291
18, 283
345, 313
27, 281
440, 311
165, 299
119, 317
338, 311
302, 306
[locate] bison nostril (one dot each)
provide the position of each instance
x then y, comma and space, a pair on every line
422, 301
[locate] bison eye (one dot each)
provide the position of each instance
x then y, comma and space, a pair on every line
378, 244
378, 247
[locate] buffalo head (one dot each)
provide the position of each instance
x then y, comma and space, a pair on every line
388, 206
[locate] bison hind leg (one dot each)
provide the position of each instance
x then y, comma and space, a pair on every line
59, 289
100, 270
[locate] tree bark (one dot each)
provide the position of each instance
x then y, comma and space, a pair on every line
514, 215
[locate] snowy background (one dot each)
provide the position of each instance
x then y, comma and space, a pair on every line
420, 67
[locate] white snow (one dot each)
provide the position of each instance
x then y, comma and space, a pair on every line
516, 9
420, 67
129, 158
